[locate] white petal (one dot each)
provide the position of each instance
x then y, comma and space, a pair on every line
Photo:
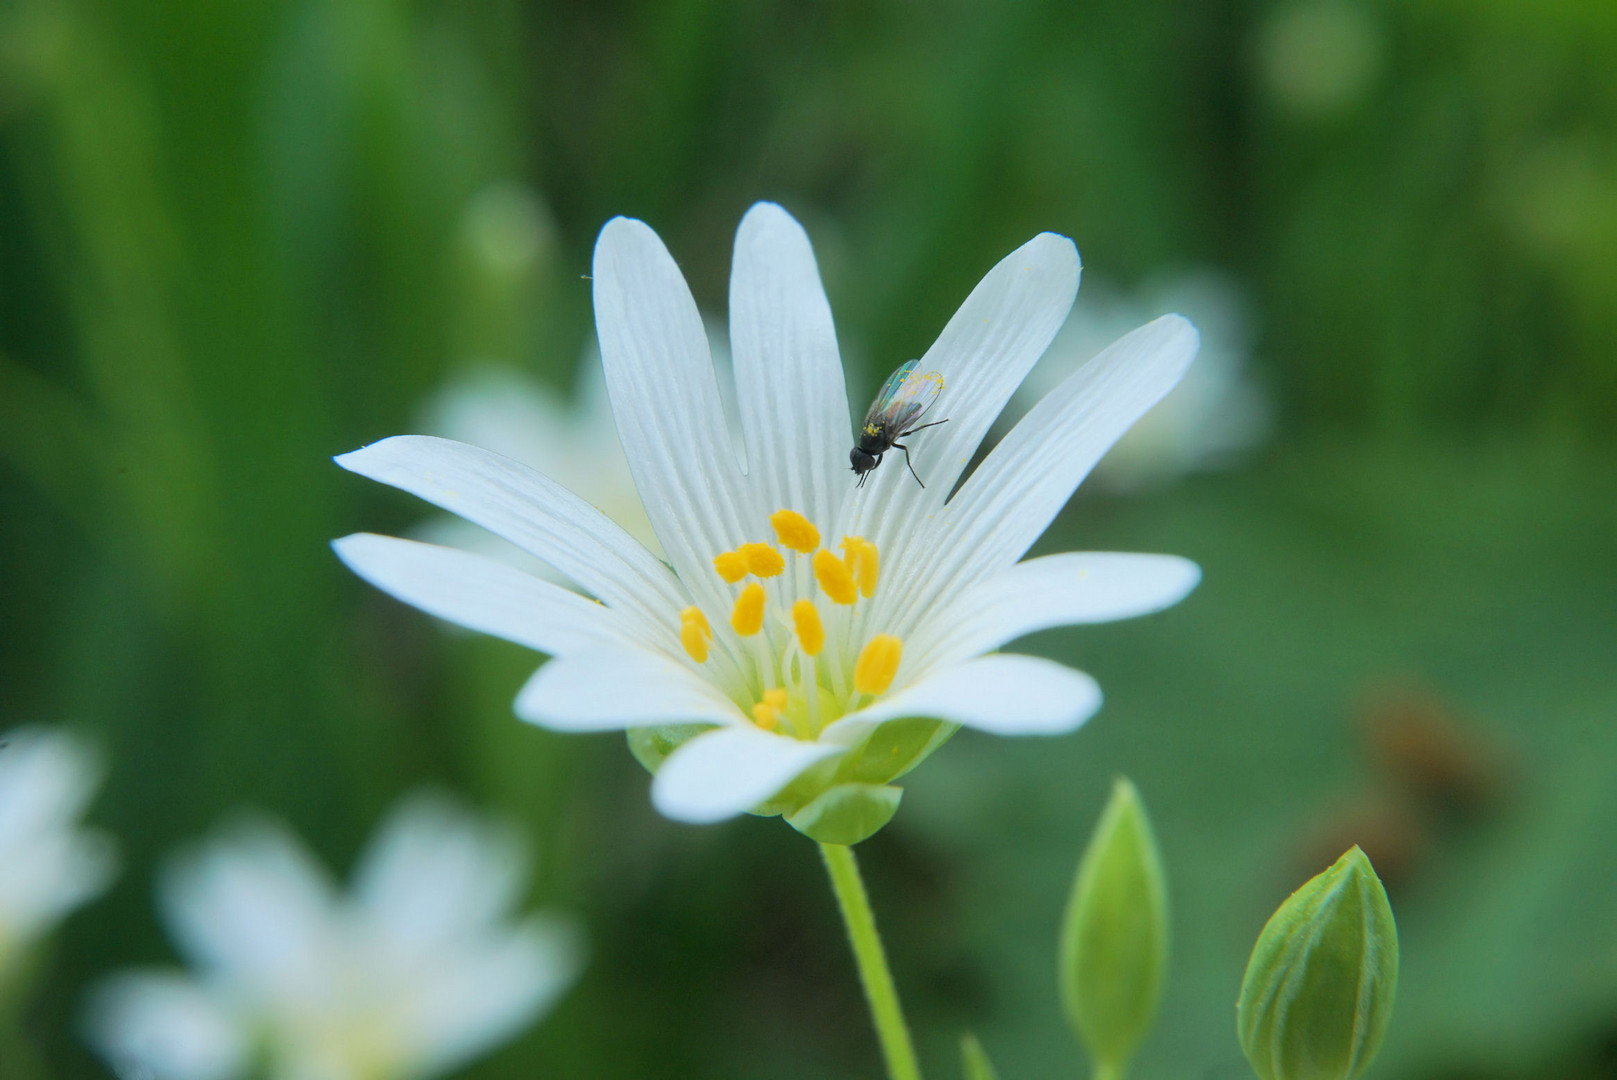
48, 874
729, 771
983, 354
47, 778
165, 1027
436, 874
254, 907
481, 594
608, 689
531, 511
1004, 694
794, 404
488, 990
665, 398
48, 863
1020, 487
1054, 590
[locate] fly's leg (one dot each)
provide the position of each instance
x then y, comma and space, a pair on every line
923, 427
901, 446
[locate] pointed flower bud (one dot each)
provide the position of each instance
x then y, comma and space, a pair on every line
1319, 988
1114, 941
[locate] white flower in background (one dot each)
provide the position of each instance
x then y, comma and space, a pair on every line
779, 660
515, 415
1207, 422
49, 865
419, 969
574, 442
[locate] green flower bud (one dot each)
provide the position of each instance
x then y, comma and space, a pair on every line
1114, 941
1319, 988
974, 1059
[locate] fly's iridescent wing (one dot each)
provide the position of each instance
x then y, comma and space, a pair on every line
905, 395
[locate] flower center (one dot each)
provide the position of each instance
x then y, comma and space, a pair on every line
804, 659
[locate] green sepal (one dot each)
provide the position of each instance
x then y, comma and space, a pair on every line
974, 1061
1114, 938
847, 813
889, 751
652, 745
893, 749
1319, 988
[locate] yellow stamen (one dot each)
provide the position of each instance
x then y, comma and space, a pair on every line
731, 565
795, 531
695, 633
834, 578
762, 559
766, 713
810, 631
878, 663
863, 562
747, 618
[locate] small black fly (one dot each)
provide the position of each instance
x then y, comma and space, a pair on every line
903, 399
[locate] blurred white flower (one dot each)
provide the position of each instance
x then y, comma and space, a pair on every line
49, 865
1215, 414
414, 972
574, 442
519, 417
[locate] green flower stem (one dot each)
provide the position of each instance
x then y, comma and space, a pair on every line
867, 952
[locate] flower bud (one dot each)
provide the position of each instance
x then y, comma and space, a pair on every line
1319, 988
1114, 941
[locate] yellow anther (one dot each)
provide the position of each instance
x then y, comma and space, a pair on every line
766, 713
695, 633
863, 562
810, 631
835, 579
731, 565
877, 664
762, 559
747, 618
795, 531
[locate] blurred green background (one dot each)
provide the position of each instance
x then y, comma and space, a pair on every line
236, 239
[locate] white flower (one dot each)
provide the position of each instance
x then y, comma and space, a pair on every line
1215, 413
767, 677
49, 865
416, 971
